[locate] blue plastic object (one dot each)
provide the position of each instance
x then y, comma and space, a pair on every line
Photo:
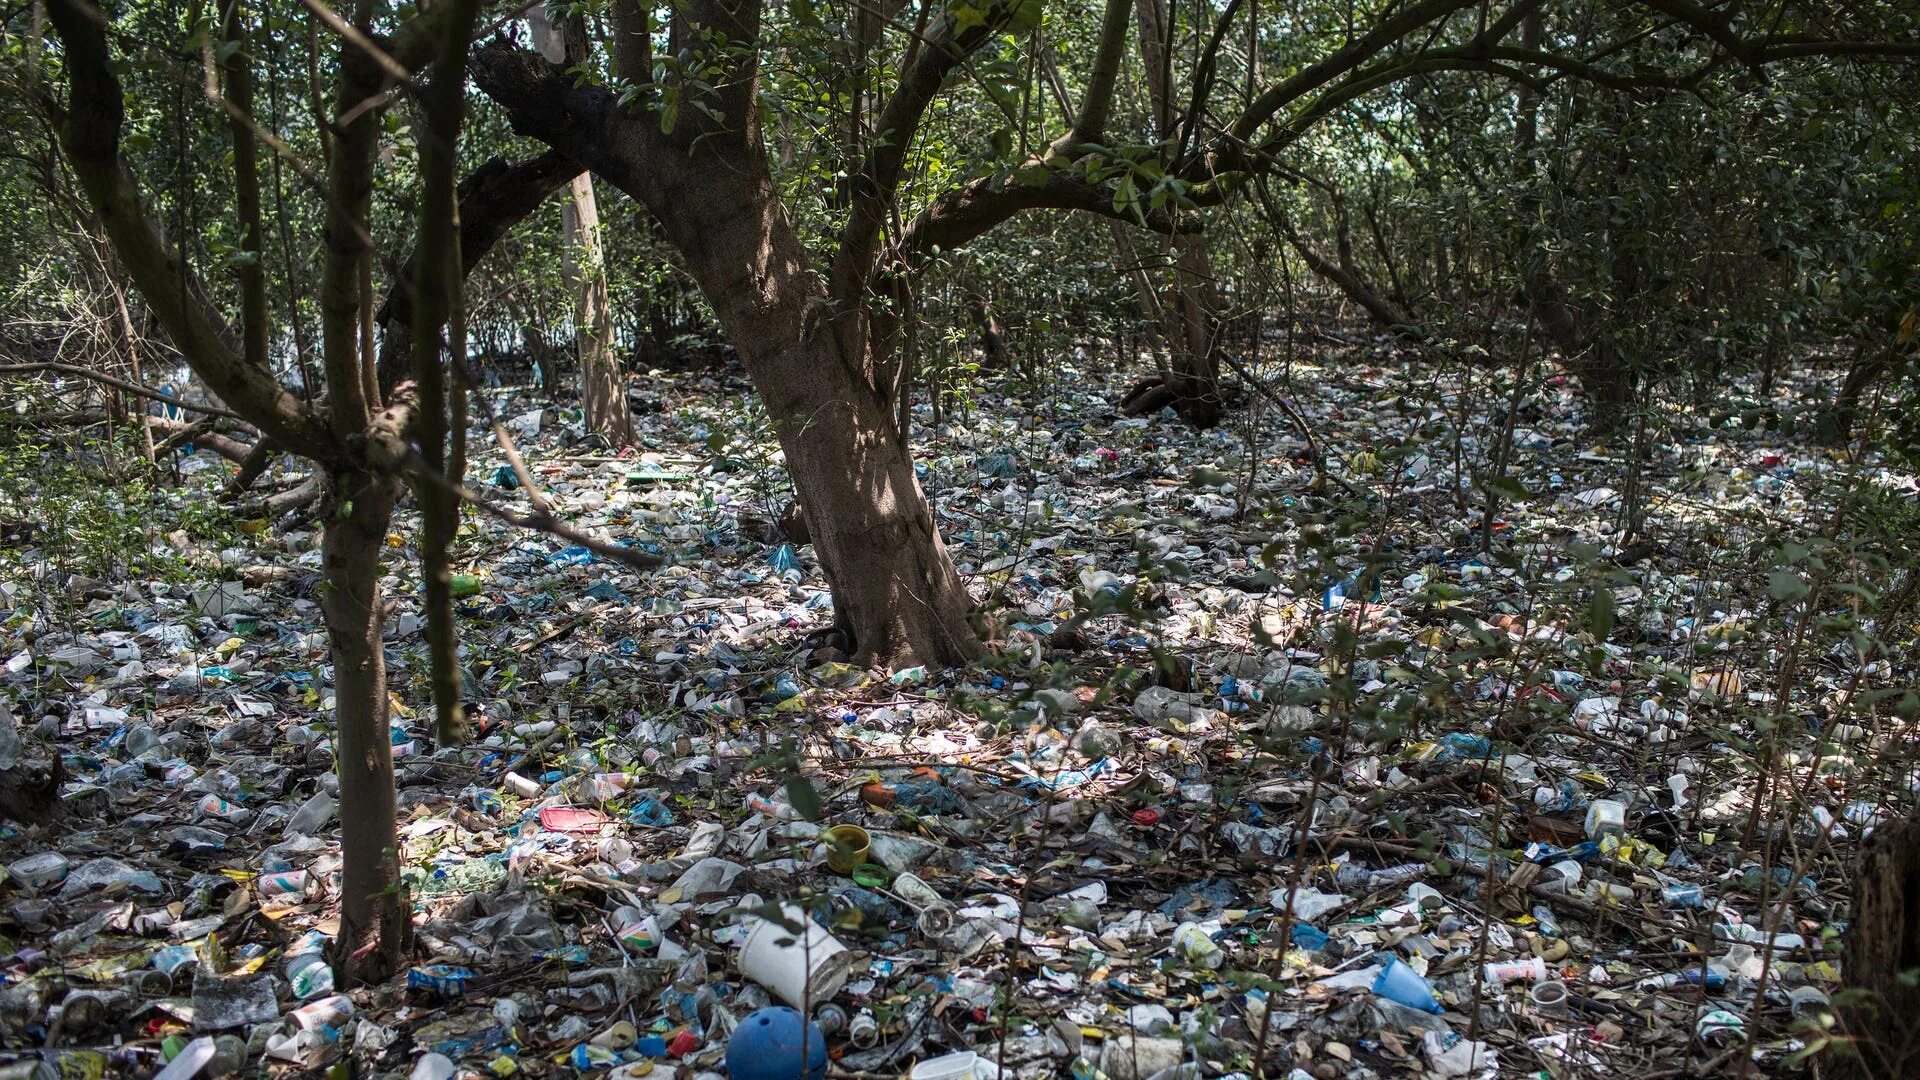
767, 1046
1398, 982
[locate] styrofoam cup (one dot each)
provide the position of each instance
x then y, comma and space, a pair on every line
800, 968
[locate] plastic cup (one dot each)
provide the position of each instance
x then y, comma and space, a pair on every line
935, 920
1550, 997
801, 968
847, 847
1399, 983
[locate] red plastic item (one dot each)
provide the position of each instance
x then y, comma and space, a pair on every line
573, 819
684, 1043
1146, 817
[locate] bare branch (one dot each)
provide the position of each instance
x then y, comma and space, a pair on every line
120, 384
90, 132
537, 521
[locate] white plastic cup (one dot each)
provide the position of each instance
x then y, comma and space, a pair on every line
801, 969
1561, 876
1550, 997
1532, 969
936, 920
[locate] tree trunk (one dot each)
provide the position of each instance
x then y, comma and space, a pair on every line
1196, 362
1883, 953
896, 594
897, 599
584, 265
1609, 382
1190, 308
373, 912
602, 391
1835, 423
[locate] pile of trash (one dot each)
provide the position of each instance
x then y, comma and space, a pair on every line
1240, 781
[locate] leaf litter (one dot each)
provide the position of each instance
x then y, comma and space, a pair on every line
1344, 769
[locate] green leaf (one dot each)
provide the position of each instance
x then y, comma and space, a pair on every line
1600, 614
804, 798
1510, 487
1786, 586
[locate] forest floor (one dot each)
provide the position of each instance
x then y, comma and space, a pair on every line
1259, 758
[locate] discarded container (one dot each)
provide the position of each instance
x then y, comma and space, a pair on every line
1193, 945
1401, 984
847, 847
39, 871
960, 1065
1549, 997
1606, 816
801, 968
1498, 972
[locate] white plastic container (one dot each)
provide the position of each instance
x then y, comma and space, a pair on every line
1561, 876
956, 1066
801, 968
1532, 969
1606, 816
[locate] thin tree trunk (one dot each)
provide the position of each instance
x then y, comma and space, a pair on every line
373, 913
602, 391
1191, 310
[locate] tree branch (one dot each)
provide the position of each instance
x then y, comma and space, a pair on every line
121, 384
1098, 100
493, 198
1413, 17
90, 133
879, 177
539, 522
966, 212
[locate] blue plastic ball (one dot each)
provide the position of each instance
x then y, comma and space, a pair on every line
767, 1046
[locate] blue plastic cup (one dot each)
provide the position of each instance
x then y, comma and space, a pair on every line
1399, 983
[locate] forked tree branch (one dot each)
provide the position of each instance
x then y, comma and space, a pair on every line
90, 132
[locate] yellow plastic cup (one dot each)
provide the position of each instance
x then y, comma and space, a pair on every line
847, 847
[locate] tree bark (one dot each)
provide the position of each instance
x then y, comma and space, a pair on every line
1190, 308
897, 596
584, 264
1836, 421
1883, 945
373, 912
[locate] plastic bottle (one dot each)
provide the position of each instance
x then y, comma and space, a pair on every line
310, 976
313, 815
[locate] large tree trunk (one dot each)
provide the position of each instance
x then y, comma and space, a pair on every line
896, 593
373, 911
1883, 953
585, 268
